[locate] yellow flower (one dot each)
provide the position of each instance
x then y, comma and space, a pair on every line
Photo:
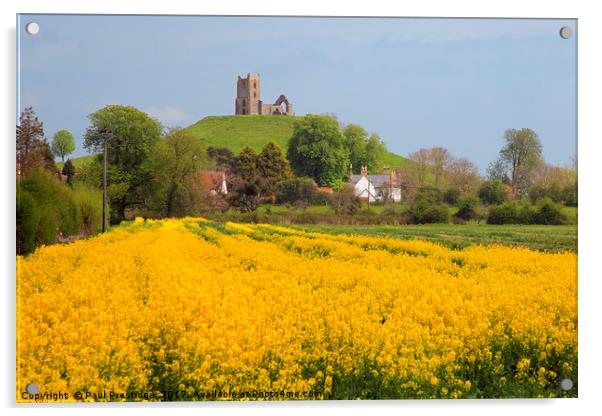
199, 305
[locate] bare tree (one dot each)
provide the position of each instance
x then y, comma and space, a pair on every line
33, 151
439, 159
421, 164
463, 175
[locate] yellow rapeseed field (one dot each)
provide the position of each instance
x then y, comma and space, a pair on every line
192, 306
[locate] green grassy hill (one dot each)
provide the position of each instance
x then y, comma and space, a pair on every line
236, 132
78, 161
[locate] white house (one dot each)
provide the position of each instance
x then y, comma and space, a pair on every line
375, 188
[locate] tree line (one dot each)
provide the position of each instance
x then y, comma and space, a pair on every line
154, 171
158, 172
519, 187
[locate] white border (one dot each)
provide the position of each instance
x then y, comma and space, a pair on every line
590, 135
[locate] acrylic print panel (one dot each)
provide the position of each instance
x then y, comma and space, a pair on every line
285, 208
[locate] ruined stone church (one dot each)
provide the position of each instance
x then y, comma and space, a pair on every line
248, 99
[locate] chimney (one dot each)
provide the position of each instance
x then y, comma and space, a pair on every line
364, 170
385, 170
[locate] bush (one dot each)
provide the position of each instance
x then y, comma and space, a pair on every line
549, 213
28, 217
54, 209
430, 194
467, 207
423, 212
344, 201
296, 190
320, 198
526, 213
507, 213
451, 196
89, 203
69, 171
554, 191
493, 192
570, 194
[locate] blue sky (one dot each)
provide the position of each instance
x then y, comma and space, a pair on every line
455, 83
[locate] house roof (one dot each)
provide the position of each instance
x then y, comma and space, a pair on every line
325, 189
213, 179
378, 181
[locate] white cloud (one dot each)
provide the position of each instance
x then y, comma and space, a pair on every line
166, 114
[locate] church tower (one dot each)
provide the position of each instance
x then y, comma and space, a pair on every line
248, 95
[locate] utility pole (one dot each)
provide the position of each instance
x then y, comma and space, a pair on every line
104, 188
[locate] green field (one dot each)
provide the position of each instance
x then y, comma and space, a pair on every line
551, 238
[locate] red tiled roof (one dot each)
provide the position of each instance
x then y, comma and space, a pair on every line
213, 179
325, 190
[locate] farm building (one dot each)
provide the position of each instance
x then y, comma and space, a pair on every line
375, 188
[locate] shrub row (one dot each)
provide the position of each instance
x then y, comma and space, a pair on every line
511, 212
47, 210
420, 212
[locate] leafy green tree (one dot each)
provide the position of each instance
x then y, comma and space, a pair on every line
245, 164
69, 171
175, 163
363, 150
375, 152
33, 151
246, 193
355, 138
273, 166
222, 157
519, 157
316, 149
63, 143
247, 186
131, 136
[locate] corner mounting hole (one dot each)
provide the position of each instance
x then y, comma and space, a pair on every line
566, 384
32, 28
566, 32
